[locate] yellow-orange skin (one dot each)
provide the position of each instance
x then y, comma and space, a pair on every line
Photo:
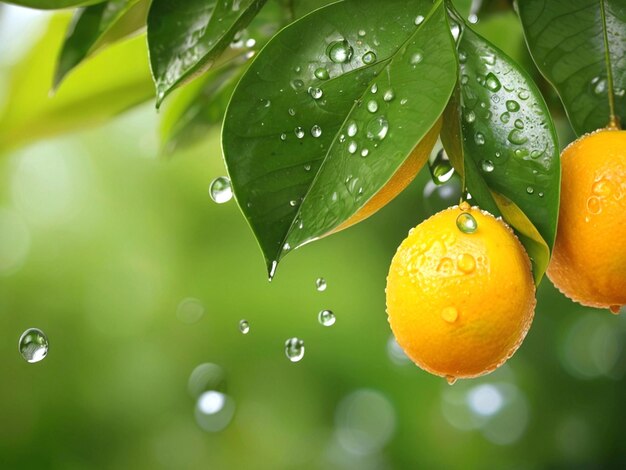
451, 320
589, 259
400, 180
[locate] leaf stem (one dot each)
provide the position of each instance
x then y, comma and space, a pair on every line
613, 118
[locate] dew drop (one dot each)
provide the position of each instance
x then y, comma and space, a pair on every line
293, 203
244, 327
404, 101
450, 379
462, 57
389, 96
33, 345
294, 349
530, 190
419, 19
316, 93
369, 57
512, 105
479, 139
326, 318
322, 73
487, 166
523, 94
316, 131
449, 314
416, 58
594, 206
377, 128
374, 88
505, 117
466, 223
519, 124
352, 129
297, 84
352, 147
362, 33
283, 137
320, 284
365, 153
517, 137
372, 106
466, 263
340, 52
615, 309
299, 132
220, 190
599, 85
492, 83
440, 168
470, 116
464, 79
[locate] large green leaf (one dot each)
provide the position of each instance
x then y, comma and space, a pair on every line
52, 4
185, 37
567, 41
97, 26
328, 112
511, 157
89, 96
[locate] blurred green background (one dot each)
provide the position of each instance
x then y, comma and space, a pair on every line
140, 280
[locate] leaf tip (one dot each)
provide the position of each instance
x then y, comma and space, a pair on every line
271, 269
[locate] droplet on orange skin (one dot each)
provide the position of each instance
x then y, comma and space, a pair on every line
449, 314
602, 188
464, 206
615, 309
451, 380
466, 263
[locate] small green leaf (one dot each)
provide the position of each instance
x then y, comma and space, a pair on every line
567, 42
90, 95
52, 4
330, 110
97, 26
185, 37
509, 143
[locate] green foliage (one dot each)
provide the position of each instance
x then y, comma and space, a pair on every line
321, 70
568, 40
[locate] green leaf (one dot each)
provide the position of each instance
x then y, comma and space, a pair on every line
567, 41
366, 77
510, 146
185, 37
52, 4
89, 96
96, 27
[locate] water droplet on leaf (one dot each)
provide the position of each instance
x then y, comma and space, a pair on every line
220, 190
340, 52
294, 349
244, 327
33, 345
326, 318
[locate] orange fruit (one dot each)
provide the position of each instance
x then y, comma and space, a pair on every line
589, 258
460, 302
400, 180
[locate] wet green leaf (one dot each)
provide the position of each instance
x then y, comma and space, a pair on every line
52, 4
185, 37
89, 96
96, 27
509, 143
328, 112
567, 41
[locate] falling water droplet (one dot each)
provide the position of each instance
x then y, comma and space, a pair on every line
466, 223
487, 166
33, 345
440, 168
340, 52
326, 318
369, 57
220, 190
244, 327
322, 73
294, 349
449, 314
316, 131
377, 128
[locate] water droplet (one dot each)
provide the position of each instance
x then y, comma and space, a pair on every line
487, 166
214, 411
466, 223
377, 128
220, 190
404, 101
615, 309
523, 94
307, 167
297, 84
326, 318
440, 168
462, 57
530, 190
283, 137
294, 349
464, 206
466, 263
505, 117
464, 79
340, 52
293, 203
450, 379
316, 131
362, 33
416, 58
316, 93
489, 59
320, 284
492, 83
517, 137
374, 88
369, 57
419, 19
599, 85
322, 73
365, 152
512, 105
540, 194
455, 30
372, 106
594, 206
292, 112
389, 96
470, 116
473, 18
449, 314
33, 345
519, 124
352, 129
479, 139
299, 132
352, 147
244, 327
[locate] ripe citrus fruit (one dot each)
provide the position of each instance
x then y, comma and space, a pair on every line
589, 259
460, 293
400, 180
